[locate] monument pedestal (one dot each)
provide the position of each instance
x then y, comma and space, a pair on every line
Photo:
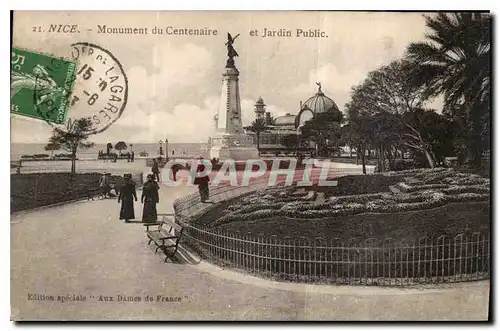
238, 147
231, 142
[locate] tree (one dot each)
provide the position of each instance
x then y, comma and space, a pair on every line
435, 134
360, 130
75, 136
387, 95
109, 147
291, 141
323, 129
258, 126
121, 146
52, 147
455, 61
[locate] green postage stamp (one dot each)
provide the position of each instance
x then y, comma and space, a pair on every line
40, 85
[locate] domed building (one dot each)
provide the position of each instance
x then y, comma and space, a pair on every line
271, 140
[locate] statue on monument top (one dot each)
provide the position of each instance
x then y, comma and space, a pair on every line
231, 52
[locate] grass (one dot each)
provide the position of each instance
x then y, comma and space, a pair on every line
435, 203
30, 191
364, 235
402, 227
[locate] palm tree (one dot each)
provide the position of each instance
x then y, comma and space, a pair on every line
455, 62
258, 126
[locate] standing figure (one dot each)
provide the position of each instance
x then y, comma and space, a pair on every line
150, 198
202, 182
132, 156
175, 169
104, 184
155, 170
126, 197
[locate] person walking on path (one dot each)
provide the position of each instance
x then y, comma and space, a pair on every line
104, 184
150, 198
175, 169
202, 182
156, 170
126, 197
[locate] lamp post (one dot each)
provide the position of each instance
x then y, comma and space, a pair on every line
299, 128
166, 148
161, 148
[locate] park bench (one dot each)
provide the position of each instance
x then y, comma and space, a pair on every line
165, 234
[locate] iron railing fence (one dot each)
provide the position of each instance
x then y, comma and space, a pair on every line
370, 262
388, 262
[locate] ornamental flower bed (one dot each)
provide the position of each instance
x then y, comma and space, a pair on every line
435, 190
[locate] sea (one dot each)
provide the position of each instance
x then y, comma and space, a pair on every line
153, 149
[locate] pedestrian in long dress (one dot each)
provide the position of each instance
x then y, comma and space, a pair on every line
126, 197
202, 182
150, 198
155, 170
104, 184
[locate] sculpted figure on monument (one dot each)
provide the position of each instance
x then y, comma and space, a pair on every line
231, 52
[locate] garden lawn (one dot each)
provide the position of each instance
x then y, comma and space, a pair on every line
404, 206
41, 189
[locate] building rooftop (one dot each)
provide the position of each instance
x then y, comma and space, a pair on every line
319, 103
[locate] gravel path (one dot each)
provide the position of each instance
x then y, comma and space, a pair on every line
83, 249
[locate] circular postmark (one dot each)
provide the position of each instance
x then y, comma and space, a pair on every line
96, 90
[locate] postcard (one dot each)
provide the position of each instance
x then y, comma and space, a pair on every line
250, 166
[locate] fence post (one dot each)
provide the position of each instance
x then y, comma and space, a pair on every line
460, 257
401, 278
275, 263
489, 255
442, 258
483, 255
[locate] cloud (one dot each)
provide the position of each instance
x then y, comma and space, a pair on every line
28, 130
174, 82
334, 83
184, 123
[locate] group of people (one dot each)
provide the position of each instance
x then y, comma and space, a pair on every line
201, 181
127, 195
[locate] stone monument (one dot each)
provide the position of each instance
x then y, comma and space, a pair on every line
231, 142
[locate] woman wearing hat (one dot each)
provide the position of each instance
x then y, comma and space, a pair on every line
126, 196
202, 182
150, 198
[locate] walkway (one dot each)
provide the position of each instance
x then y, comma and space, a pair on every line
82, 248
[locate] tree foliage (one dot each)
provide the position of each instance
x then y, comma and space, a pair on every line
120, 146
258, 126
74, 136
455, 61
324, 130
109, 147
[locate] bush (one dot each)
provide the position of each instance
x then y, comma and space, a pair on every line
403, 164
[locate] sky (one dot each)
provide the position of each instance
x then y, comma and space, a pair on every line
175, 81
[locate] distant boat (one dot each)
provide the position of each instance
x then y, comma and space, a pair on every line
143, 153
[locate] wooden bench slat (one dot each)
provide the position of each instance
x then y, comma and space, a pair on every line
163, 236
